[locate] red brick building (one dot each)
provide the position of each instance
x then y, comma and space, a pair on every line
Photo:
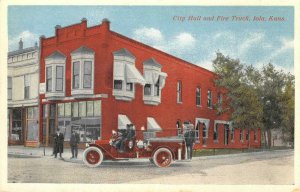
95, 80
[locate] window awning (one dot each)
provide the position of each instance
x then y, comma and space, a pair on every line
162, 79
152, 125
123, 121
119, 71
133, 75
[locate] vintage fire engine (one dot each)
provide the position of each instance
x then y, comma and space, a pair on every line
161, 151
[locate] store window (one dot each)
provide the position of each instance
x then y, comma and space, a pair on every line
17, 132
32, 124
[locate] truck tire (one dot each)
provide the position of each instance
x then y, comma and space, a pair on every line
92, 156
162, 157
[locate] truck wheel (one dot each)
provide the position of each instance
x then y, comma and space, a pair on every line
162, 157
92, 156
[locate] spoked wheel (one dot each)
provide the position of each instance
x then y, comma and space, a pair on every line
162, 157
92, 156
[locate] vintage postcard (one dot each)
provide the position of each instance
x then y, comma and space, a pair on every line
179, 96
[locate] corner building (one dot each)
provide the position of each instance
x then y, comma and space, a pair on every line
95, 80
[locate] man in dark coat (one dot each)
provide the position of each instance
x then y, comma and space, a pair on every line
74, 140
58, 143
189, 137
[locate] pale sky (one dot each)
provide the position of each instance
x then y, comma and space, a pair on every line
167, 28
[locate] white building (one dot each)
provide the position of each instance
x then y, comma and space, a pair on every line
22, 90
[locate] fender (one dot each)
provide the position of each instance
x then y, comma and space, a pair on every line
105, 152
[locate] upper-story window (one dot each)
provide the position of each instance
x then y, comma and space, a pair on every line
9, 88
55, 72
209, 98
125, 75
155, 82
220, 100
198, 96
179, 92
26, 86
83, 72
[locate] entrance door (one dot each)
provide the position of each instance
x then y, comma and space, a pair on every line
16, 136
226, 134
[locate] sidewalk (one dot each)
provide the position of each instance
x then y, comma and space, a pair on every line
41, 152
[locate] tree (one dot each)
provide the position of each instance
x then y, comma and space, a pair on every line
256, 99
242, 100
287, 105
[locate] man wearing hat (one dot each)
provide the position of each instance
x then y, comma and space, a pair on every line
58, 143
189, 137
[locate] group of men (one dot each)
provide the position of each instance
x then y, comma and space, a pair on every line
119, 138
58, 146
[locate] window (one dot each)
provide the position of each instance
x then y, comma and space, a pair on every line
209, 99
205, 130
55, 76
118, 84
61, 109
219, 98
179, 92
198, 130
198, 96
129, 86
216, 132
241, 135
155, 82
76, 70
87, 76
156, 88
82, 109
90, 108
49, 79
59, 78
75, 109
26, 87
232, 133
255, 135
9, 88
147, 89
32, 125
178, 126
82, 72
97, 108
247, 135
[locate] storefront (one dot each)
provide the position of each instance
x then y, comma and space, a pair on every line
23, 126
82, 116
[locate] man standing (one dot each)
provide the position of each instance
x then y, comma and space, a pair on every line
189, 137
58, 143
74, 144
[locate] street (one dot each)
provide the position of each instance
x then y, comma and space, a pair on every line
269, 167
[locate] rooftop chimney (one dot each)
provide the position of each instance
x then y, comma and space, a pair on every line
20, 44
106, 23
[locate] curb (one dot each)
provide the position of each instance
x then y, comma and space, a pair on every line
18, 155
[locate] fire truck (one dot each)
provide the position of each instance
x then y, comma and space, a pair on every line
125, 144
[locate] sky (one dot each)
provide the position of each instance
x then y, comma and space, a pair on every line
193, 33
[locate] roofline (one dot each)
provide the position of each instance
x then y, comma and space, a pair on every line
21, 51
157, 50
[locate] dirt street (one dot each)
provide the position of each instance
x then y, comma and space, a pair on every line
257, 168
